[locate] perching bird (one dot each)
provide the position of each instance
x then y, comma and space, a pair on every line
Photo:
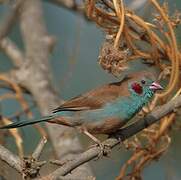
105, 109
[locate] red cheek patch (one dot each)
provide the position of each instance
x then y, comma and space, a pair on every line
137, 88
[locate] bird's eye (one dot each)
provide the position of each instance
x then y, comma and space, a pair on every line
143, 81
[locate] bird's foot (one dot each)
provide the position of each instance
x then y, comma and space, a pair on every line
105, 150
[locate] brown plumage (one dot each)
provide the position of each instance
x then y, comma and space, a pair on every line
97, 97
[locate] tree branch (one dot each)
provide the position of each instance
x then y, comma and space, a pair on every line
12, 51
37, 78
122, 134
10, 158
37, 152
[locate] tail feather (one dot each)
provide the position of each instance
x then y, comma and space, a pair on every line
26, 122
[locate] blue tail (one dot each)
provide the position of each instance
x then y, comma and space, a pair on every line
26, 122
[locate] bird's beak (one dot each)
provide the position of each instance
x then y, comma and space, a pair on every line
155, 86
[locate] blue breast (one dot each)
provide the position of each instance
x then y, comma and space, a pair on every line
123, 108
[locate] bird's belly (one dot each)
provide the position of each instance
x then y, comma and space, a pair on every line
107, 126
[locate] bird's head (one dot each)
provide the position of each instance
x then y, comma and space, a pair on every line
144, 86
141, 87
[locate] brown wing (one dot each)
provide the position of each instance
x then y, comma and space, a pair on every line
94, 99
98, 97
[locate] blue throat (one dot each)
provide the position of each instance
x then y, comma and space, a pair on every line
135, 103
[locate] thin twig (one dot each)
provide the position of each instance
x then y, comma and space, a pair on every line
36, 154
11, 50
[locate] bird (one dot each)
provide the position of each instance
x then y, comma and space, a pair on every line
105, 109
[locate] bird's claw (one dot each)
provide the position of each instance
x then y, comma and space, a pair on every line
104, 150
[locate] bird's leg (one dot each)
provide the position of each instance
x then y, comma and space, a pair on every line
92, 137
103, 151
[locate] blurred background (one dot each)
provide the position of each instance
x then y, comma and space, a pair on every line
75, 70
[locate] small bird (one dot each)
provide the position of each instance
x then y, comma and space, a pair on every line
105, 109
